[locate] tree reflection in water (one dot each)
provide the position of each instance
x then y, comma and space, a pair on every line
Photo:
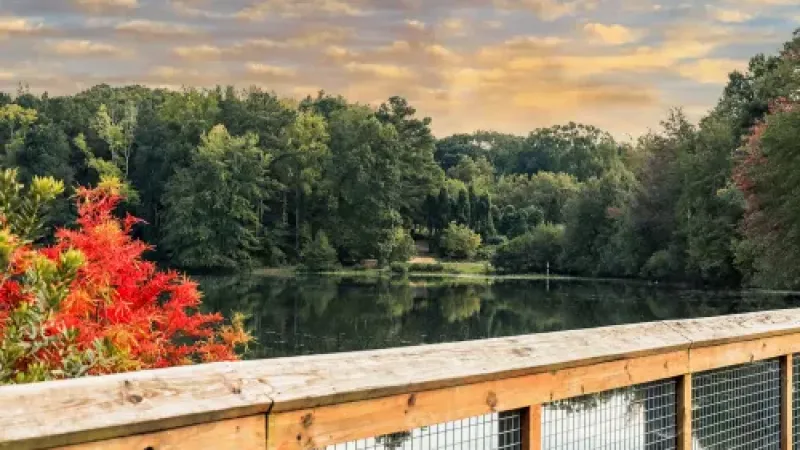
308, 315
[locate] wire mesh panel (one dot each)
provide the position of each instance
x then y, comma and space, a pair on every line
796, 401
640, 417
499, 431
737, 407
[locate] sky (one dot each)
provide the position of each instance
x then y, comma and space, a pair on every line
505, 65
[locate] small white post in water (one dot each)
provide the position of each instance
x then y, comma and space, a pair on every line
547, 280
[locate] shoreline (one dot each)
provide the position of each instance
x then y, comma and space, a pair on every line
453, 273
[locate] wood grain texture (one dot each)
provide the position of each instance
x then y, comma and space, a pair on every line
684, 410
531, 432
318, 427
75, 411
45, 415
245, 433
733, 353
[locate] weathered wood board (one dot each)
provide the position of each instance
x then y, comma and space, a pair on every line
245, 433
75, 411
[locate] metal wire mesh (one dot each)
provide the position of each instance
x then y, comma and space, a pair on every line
499, 431
640, 417
796, 401
737, 407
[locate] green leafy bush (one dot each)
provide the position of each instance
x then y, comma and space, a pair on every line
399, 268
496, 240
660, 265
430, 268
401, 246
319, 255
459, 241
486, 252
532, 251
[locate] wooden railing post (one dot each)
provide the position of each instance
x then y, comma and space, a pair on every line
531, 432
786, 402
684, 424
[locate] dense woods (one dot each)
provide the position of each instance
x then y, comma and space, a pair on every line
231, 178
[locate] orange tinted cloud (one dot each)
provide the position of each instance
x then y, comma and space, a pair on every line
510, 65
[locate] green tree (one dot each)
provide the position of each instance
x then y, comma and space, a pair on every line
532, 252
768, 176
548, 191
580, 150
462, 209
211, 218
477, 174
118, 136
458, 241
319, 255
15, 121
306, 151
363, 185
23, 210
593, 219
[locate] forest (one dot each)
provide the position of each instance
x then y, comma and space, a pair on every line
229, 179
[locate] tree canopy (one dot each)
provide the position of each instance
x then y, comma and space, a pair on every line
228, 178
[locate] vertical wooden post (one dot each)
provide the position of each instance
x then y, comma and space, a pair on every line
684, 424
787, 395
531, 432
528, 433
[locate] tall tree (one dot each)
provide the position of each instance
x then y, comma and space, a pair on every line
767, 175
418, 171
211, 218
306, 151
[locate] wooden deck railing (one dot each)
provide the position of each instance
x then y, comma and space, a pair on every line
311, 402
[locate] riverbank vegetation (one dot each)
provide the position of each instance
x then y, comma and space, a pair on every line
229, 179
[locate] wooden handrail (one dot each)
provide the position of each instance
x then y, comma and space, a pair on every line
310, 401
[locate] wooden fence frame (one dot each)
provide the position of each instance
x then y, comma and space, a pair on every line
309, 402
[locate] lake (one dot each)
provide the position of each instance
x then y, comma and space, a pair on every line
322, 314
316, 314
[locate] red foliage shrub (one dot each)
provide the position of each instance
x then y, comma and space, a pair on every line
96, 301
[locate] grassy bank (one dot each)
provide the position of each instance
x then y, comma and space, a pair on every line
477, 270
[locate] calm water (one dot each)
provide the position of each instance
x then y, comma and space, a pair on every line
295, 316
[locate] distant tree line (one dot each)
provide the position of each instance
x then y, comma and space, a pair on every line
229, 178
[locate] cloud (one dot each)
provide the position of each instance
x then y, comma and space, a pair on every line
16, 26
172, 77
383, 71
611, 34
728, 15
548, 9
298, 8
190, 8
456, 27
102, 6
415, 25
199, 52
265, 69
248, 49
149, 29
439, 51
714, 71
467, 63
85, 48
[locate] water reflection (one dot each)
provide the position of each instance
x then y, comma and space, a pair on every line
294, 316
